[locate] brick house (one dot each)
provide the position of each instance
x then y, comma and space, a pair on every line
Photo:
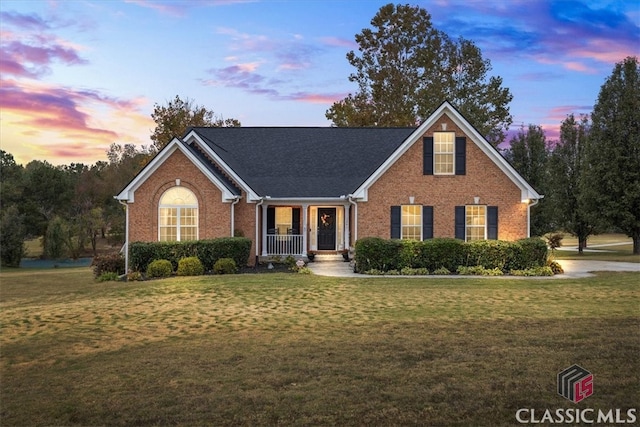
297, 190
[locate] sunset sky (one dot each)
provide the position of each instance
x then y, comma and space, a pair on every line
77, 75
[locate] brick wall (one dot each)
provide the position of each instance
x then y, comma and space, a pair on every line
214, 217
405, 178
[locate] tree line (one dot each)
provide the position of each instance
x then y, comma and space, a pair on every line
404, 69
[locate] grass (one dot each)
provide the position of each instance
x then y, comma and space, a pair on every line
621, 249
307, 350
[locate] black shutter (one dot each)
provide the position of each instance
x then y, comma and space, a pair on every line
271, 220
427, 222
492, 222
295, 221
461, 155
460, 222
427, 155
396, 222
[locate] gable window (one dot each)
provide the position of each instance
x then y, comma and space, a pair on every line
178, 215
443, 153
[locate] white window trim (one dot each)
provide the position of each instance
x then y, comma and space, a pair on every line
179, 216
453, 154
466, 227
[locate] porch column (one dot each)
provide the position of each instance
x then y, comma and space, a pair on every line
305, 229
263, 235
347, 234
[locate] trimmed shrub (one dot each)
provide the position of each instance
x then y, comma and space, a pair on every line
442, 271
534, 252
207, 251
225, 266
489, 254
190, 266
110, 263
160, 268
441, 253
374, 253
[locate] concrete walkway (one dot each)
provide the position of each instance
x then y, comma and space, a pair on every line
572, 269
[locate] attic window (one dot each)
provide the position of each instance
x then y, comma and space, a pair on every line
443, 153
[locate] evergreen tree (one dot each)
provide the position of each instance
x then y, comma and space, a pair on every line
529, 155
612, 180
566, 171
12, 248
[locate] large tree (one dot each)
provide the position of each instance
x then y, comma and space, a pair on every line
529, 154
178, 115
566, 171
405, 69
612, 183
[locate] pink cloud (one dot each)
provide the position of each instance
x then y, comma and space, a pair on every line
317, 98
339, 42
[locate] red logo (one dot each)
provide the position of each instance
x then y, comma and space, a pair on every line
575, 383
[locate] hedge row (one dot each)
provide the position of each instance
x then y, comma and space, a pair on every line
141, 254
373, 253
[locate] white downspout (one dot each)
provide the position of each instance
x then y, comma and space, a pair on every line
126, 236
529, 206
353, 240
258, 207
236, 199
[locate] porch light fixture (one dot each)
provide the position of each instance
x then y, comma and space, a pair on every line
411, 199
476, 200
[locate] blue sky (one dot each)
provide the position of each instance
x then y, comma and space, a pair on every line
78, 75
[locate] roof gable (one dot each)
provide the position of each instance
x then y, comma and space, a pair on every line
527, 192
228, 190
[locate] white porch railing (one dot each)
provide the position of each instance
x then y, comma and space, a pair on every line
284, 244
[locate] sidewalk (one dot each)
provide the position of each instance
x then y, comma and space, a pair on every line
572, 269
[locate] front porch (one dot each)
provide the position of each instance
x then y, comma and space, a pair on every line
300, 229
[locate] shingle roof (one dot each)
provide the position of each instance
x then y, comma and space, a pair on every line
303, 162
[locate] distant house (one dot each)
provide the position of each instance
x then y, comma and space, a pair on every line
293, 190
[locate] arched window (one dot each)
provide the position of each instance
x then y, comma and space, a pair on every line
178, 215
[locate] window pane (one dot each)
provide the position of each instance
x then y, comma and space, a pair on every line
411, 222
178, 215
284, 219
476, 222
444, 151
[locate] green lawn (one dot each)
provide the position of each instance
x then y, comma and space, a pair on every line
307, 350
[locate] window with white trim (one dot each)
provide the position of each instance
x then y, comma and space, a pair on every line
411, 225
476, 222
178, 215
443, 153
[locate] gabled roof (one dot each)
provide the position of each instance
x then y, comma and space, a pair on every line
527, 192
300, 162
215, 175
307, 162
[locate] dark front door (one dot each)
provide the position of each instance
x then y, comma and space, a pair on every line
326, 229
